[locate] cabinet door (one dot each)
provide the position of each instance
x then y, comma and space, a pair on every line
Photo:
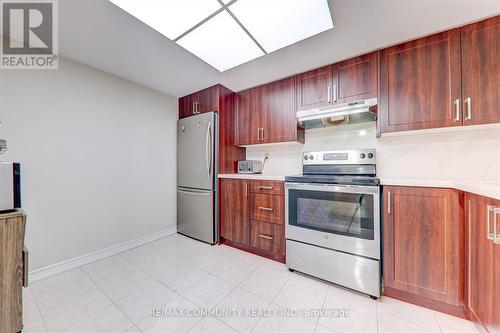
314, 88
481, 72
185, 107
423, 246
207, 99
357, 79
248, 119
480, 259
234, 211
277, 105
420, 84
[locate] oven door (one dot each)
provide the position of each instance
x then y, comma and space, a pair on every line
337, 217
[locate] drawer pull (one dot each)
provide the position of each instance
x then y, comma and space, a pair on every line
266, 209
265, 187
266, 237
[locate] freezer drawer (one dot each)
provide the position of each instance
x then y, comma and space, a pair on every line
351, 271
195, 214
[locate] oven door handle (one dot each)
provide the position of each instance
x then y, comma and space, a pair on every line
360, 189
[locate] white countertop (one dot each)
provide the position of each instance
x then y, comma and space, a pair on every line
489, 189
252, 176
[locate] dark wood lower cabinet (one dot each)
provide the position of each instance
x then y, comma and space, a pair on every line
234, 223
268, 237
483, 261
252, 220
423, 247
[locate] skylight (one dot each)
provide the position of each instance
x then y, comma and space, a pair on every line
228, 33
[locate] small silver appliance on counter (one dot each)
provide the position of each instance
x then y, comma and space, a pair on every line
249, 166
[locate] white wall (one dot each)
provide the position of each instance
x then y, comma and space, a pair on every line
464, 153
98, 158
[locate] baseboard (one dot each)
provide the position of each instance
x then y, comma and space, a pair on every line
45, 272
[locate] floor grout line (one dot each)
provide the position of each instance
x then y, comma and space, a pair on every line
39, 311
112, 302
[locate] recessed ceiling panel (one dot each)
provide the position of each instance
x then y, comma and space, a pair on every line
221, 42
279, 23
170, 17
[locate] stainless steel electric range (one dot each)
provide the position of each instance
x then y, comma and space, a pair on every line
333, 219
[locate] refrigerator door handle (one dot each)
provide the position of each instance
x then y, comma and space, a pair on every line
195, 192
208, 150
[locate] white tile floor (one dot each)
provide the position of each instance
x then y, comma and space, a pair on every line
119, 293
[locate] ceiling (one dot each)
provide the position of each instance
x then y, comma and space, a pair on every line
101, 35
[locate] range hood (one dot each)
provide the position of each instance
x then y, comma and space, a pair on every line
347, 113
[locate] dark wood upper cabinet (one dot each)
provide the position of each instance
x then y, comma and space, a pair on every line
423, 247
356, 79
235, 224
267, 114
483, 262
248, 119
314, 88
420, 84
221, 100
206, 100
277, 100
186, 108
481, 72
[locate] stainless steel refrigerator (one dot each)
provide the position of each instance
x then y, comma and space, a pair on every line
197, 216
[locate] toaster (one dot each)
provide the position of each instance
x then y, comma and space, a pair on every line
249, 166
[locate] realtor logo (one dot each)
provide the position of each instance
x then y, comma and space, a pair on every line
29, 30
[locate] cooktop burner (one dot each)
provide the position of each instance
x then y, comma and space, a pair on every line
334, 179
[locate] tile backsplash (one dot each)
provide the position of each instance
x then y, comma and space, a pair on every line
457, 154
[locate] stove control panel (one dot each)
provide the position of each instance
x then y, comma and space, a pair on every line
358, 156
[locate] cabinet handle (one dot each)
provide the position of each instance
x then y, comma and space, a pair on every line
468, 101
265, 187
262, 133
246, 189
496, 238
389, 203
457, 109
329, 92
194, 107
335, 93
25, 267
266, 237
490, 211
266, 209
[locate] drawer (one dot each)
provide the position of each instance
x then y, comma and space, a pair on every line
267, 187
268, 237
267, 208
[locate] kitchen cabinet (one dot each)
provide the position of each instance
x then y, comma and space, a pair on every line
206, 100
314, 88
266, 114
420, 84
356, 79
234, 223
481, 72
483, 260
347, 81
444, 80
13, 270
253, 217
424, 247
221, 100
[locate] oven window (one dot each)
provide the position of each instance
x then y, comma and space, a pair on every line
348, 214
